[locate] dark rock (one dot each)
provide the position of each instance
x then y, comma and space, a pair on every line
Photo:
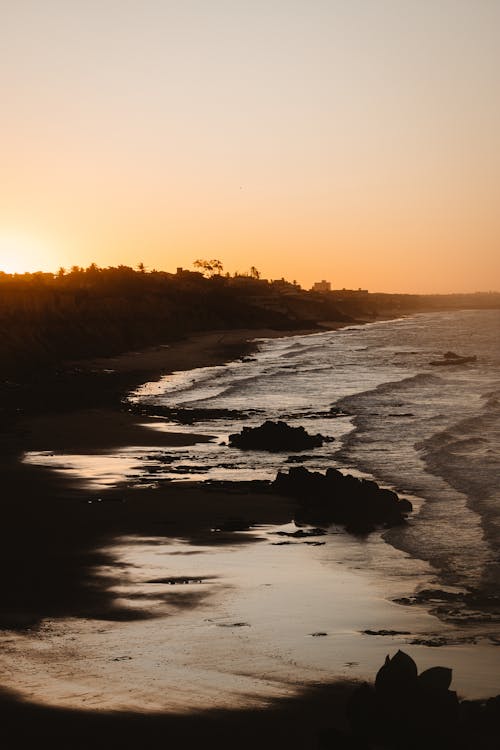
385, 632
175, 580
358, 504
458, 606
430, 642
276, 437
300, 533
433, 596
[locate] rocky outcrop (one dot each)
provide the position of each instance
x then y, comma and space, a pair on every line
276, 437
358, 504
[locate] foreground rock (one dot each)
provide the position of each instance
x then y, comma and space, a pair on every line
358, 504
276, 437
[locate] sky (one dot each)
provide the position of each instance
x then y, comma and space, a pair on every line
356, 141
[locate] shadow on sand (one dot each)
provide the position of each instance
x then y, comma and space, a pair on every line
401, 711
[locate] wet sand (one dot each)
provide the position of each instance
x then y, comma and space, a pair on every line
81, 410
49, 538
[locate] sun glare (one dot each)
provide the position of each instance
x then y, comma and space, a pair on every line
22, 253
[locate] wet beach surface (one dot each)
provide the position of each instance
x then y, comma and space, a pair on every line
153, 597
202, 596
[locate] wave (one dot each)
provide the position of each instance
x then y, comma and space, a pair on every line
454, 469
300, 349
405, 384
492, 399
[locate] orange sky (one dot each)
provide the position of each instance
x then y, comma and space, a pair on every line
352, 140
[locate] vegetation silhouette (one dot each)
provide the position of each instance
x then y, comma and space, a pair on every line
46, 318
209, 267
404, 709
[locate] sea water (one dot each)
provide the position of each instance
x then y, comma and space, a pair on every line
432, 433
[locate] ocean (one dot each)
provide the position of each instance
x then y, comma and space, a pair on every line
430, 433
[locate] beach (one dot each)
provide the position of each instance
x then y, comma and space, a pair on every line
250, 375
55, 534
168, 599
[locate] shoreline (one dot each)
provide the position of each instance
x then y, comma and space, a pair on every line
92, 393
48, 564
185, 512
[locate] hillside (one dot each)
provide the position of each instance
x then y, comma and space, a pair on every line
47, 319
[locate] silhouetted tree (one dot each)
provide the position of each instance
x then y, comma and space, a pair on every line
93, 269
209, 267
46, 318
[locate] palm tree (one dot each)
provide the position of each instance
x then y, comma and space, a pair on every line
209, 267
216, 265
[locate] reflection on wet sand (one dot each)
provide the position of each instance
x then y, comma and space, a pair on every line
230, 620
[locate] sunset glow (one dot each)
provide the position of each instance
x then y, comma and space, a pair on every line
351, 141
20, 253
249, 374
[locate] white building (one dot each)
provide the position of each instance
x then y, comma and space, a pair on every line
321, 286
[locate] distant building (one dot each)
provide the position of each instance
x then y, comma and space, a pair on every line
321, 286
